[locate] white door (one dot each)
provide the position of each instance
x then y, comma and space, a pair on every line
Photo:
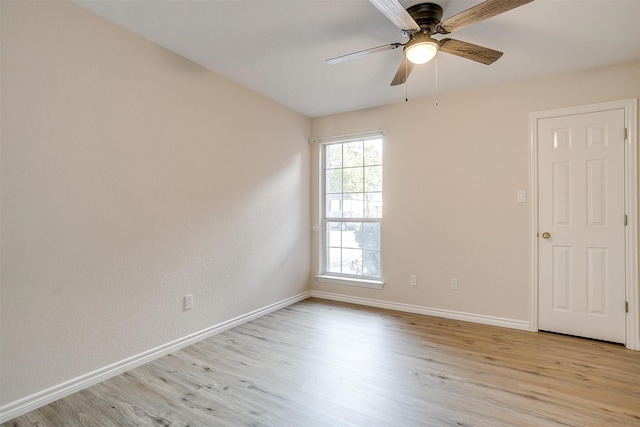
581, 219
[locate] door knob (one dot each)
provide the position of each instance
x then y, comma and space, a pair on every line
546, 235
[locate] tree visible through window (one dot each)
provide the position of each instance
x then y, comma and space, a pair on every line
352, 177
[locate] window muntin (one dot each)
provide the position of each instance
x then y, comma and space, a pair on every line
352, 206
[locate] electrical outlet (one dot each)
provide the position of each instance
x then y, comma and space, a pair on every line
188, 302
453, 284
413, 280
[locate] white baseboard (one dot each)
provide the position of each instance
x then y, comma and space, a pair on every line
37, 400
437, 312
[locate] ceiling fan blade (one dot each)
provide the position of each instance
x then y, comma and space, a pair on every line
354, 55
478, 13
403, 72
470, 51
396, 13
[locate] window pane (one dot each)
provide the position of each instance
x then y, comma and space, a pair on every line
333, 205
353, 154
353, 180
334, 231
353, 191
373, 178
352, 261
333, 156
350, 234
334, 181
373, 205
373, 152
370, 236
335, 260
371, 263
353, 205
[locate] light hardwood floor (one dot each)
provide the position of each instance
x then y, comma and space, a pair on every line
319, 363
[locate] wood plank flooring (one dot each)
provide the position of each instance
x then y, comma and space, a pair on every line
320, 363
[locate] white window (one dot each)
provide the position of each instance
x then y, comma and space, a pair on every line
352, 209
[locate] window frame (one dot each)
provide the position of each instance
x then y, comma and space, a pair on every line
326, 276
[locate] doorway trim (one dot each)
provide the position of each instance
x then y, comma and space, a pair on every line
632, 290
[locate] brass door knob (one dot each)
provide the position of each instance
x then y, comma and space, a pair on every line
546, 235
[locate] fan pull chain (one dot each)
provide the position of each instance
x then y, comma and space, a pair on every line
406, 80
436, 80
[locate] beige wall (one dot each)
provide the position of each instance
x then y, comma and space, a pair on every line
451, 173
131, 177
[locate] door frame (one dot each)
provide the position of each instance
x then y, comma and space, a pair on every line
632, 291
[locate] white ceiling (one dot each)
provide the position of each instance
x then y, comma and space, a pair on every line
278, 47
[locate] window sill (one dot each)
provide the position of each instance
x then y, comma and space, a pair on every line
347, 281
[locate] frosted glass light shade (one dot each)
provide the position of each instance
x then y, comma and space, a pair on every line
421, 50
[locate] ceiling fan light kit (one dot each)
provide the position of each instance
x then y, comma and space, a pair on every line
421, 49
421, 21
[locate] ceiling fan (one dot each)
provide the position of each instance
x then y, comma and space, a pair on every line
421, 21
